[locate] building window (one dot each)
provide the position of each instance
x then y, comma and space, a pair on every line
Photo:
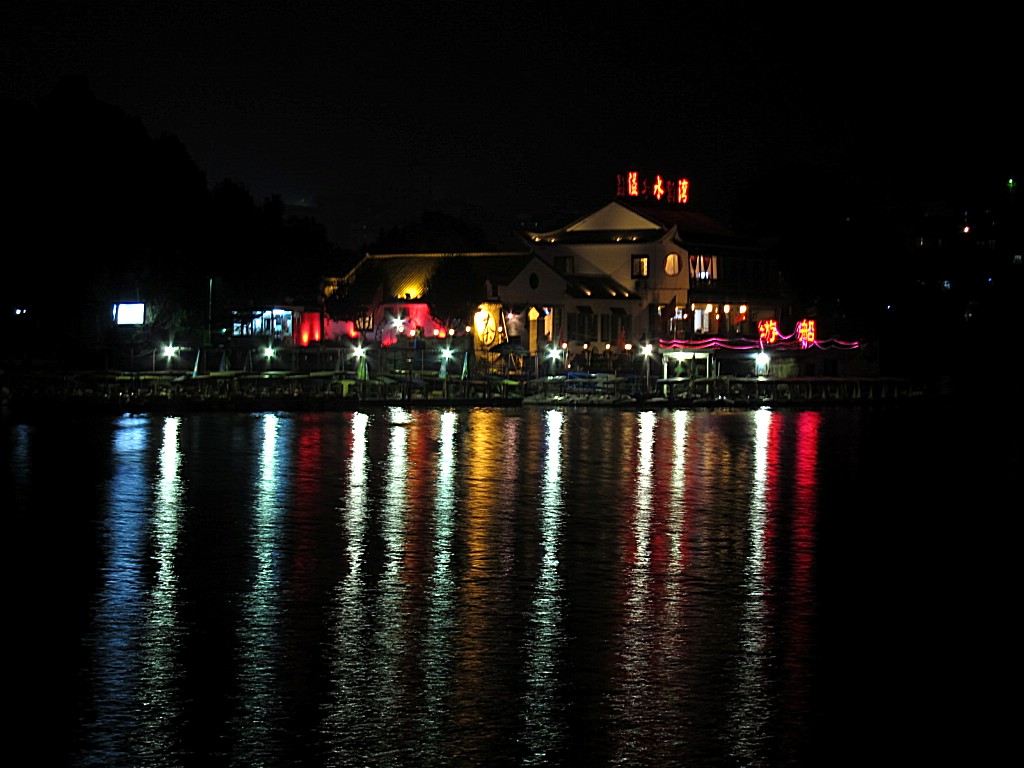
616, 326
275, 323
703, 269
701, 321
564, 264
639, 267
583, 325
672, 264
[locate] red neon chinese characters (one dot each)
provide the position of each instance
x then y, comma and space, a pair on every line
805, 333
682, 190
768, 331
656, 187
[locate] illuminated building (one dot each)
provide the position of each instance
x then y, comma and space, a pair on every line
514, 297
689, 275
644, 266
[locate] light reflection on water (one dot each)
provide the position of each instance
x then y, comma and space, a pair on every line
453, 587
543, 732
258, 641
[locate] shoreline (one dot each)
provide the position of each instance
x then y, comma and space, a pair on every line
21, 409
51, 394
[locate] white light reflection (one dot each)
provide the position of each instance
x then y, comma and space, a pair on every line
162, 628
640, 649
677, 488
390, 616
445, 498
441, 603
166, 515
758, 502
120, 612
351, 667
751, 707
355, 505
394, 504
644, 491
366, 665
258, 643
543, 730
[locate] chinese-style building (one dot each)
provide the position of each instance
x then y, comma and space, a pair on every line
644, 269
689, 275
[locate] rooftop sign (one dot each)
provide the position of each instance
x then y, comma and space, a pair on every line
657, 187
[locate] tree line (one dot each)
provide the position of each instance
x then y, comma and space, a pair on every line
100, 211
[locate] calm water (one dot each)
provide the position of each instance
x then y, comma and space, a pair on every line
510, 586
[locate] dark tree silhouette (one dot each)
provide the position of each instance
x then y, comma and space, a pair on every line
451, 289
354, 298
434, 232
101, 212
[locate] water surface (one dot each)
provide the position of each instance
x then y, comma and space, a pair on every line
508, 586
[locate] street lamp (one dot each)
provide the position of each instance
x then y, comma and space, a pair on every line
362, 374
554, 354
647, 350
446, 355
761, 364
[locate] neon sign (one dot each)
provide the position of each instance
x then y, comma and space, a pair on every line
768, 331
659, 188
806, 332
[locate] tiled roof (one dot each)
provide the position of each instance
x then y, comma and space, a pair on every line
625, 221
418, 268
692, 227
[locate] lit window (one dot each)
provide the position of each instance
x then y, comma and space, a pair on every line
672, 264
639, 267
703, 268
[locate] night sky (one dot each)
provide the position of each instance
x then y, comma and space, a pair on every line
524, 108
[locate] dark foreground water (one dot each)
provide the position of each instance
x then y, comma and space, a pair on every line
512, 586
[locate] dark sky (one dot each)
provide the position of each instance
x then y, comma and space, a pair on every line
524, 107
